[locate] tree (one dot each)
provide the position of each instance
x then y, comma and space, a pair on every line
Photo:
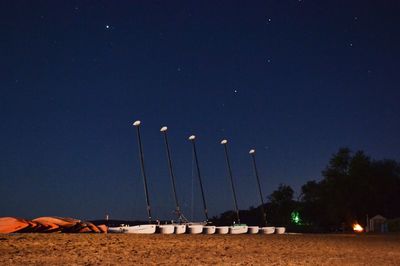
352, 186
280, 206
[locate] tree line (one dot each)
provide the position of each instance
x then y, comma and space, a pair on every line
353, 186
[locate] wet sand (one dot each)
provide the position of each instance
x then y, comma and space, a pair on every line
94, 249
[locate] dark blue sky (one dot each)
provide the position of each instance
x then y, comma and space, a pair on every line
294, 79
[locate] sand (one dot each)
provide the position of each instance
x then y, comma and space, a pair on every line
106, 249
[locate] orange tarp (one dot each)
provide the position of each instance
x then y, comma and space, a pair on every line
48, 225
11, 224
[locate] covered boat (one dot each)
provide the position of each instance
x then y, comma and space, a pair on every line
135, 229
238, 229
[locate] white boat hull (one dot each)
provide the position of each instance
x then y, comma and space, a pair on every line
166, 229
209, 230
238, 229
267, 230
280, 230
195, 229
180, 229
222, 230
253, 230
136, 229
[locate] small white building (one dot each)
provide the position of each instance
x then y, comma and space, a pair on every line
377, 224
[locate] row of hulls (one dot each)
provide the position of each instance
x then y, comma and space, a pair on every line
199, 228
194, 229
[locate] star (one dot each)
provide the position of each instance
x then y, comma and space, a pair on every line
235, 91
108, 26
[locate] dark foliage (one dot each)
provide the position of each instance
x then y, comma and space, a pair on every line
353, 186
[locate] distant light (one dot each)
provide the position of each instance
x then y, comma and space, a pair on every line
252, 151
192, 137
136, 123
295, 216
107, 26
164, 128
224, 141
357, 228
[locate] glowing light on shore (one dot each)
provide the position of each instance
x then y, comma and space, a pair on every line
358, 228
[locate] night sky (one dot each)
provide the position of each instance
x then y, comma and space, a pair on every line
296, 80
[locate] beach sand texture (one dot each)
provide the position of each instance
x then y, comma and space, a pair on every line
92, 249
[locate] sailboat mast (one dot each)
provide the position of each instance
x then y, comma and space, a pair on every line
171, 172
137, 125
192, 139
252, 152
225, 143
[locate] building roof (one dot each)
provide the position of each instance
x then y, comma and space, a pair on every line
378, 217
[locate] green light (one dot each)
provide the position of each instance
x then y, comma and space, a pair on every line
295, 215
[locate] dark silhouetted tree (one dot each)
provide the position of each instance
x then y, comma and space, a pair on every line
280, 206
352, 187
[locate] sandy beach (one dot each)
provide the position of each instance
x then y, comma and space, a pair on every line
91, 249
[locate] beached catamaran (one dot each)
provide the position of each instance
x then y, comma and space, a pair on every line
264, 229
236, 228
184, 225
143, 228
177, 228
197, 228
